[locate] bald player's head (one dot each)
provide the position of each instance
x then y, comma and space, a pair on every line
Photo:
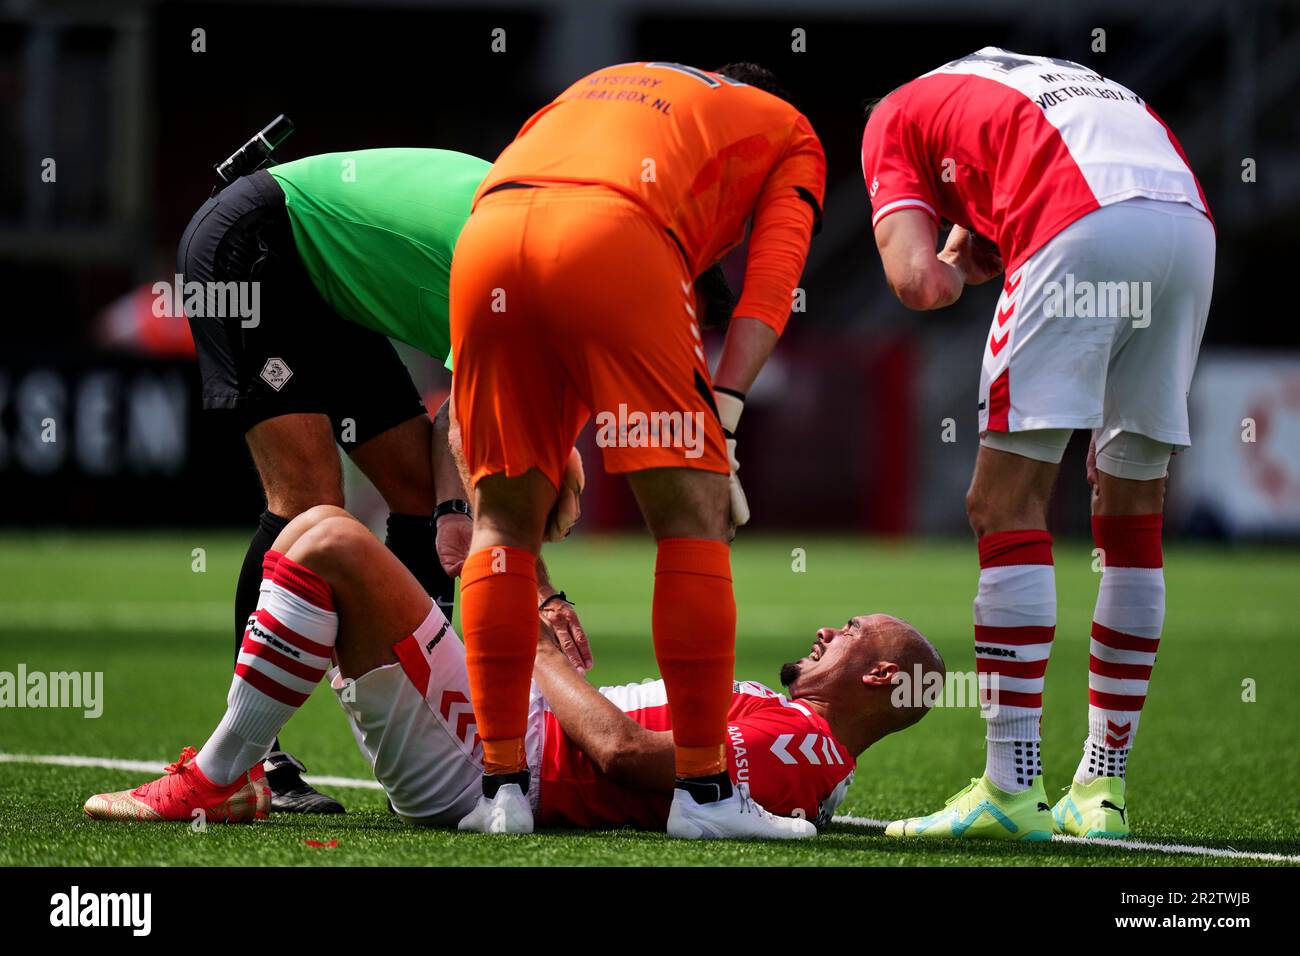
853, 669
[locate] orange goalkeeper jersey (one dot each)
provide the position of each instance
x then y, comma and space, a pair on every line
701, 153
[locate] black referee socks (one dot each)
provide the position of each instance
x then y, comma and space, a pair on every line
412, 539
249, 587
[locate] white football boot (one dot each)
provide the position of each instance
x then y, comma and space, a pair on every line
507, 812
737, 817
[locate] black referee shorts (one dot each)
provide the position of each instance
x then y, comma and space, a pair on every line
267, 343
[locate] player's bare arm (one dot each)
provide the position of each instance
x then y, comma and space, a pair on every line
619, 746
921, 279
447, 477
977, 258
745, 351
748, 346
778, 247
454, 526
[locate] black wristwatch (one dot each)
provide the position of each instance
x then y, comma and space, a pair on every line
452, 506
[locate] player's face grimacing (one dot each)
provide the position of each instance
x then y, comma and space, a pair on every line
833, 647
854, 668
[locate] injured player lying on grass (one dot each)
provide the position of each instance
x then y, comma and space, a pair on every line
334, 594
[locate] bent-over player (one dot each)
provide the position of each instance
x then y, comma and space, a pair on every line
571, 297
347, 250
1109, 252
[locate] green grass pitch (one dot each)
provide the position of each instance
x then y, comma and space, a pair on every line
1209, 769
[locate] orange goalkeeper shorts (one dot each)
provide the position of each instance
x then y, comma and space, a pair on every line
568, 302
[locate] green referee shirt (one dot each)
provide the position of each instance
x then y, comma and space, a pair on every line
376, 229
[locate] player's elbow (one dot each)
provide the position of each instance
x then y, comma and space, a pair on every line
616, 766
613, 758
921, 291
622, 759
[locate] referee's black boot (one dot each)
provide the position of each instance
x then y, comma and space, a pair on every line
289, 792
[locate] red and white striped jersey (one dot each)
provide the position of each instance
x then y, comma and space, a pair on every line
1017, 147
781, 748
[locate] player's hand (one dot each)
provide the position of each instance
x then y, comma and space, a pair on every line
977, 258
568, 505
452, 542
562, 618
730, 405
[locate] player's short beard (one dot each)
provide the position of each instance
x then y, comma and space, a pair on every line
789, 673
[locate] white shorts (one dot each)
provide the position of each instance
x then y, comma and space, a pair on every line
1100, 328
415, 726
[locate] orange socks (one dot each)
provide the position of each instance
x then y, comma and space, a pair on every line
694, 624
498, 588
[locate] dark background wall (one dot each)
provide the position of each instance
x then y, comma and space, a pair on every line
843, 430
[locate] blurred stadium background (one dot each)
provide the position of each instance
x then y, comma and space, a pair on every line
846, 427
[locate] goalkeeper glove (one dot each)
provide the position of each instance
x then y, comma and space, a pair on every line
730, 405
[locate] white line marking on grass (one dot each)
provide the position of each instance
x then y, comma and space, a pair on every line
326, 781
1179, 848
153, 766
1122, 844
862, 822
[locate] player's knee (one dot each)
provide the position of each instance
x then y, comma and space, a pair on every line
514, 510
316, 514
713, 522
682, 503
1134, 457
990, 513
977, 512
980, 522
333, 543
1131, 471
699, 522
1123, 496
303, 522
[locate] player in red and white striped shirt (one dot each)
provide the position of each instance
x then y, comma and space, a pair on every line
605, 756
1075, 183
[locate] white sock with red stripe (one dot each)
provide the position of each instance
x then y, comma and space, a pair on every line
1125, 634
286, 651
1015, 621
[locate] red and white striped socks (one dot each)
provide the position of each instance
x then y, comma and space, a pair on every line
1015, 621
286, 651
1125, 634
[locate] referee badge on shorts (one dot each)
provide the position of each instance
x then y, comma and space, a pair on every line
275, 373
